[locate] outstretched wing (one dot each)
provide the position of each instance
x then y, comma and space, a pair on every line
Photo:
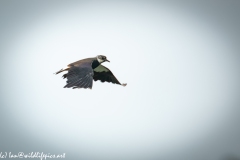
79, 77
104, 74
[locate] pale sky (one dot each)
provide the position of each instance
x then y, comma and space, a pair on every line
180, 60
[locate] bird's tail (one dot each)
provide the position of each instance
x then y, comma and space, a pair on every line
62, 70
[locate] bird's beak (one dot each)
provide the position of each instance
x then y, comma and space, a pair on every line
107, 60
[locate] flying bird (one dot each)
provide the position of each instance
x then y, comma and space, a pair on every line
82, 73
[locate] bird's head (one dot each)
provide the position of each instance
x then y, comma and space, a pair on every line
102, 59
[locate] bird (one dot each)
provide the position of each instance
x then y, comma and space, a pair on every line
80, 74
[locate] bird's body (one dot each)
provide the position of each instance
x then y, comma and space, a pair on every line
82, 73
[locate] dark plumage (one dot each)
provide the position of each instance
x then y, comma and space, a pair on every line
82, 73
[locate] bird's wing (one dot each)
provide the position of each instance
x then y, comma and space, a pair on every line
83, 62
104, 74
79, 77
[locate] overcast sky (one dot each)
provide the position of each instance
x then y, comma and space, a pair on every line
179, 58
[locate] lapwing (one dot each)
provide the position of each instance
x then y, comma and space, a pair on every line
80, 74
